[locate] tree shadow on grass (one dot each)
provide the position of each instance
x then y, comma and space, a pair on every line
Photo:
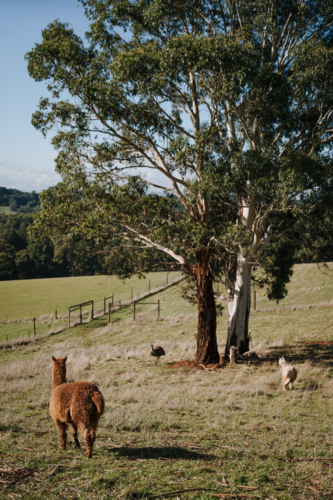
167, 452
317, 352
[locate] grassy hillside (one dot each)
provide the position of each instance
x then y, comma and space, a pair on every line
230, 431
311, 284
33, 298
6, 210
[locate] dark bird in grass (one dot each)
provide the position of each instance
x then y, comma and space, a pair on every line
157, 352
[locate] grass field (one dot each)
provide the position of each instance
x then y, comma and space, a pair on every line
33, 298
6, 210
310, 284
27, 299
231, 432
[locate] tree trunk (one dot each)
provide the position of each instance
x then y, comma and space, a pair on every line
239, 309
207, 351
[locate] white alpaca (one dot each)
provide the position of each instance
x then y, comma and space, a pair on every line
289, 374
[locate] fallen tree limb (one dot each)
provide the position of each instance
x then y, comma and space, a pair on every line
192, 445
238, 495
172, 493
110, 444
207, 369
61, 465
311, 459
56, 467
314, 489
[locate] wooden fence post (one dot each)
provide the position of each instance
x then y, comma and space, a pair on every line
233, 354
104, 304
69, 318
56, 315
109, 312
92, 310
34, 328
134, 310
158, 309
80, 314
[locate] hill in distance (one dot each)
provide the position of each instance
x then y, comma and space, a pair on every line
14, 200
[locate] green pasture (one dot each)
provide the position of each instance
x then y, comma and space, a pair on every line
33, 298
176, 433
6, 210
310, 284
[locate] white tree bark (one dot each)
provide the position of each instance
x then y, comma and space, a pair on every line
239, 311
239, 308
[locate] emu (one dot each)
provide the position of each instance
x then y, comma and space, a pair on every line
79, 404
157, 352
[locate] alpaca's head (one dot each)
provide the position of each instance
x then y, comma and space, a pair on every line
282, 361
61, 362
59, 371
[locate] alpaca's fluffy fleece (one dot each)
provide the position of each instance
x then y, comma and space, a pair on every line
79, 404
289, 374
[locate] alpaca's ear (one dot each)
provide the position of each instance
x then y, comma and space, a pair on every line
54, 359
65, 359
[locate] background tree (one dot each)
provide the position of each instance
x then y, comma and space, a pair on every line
24, 258
229, 103
19, 201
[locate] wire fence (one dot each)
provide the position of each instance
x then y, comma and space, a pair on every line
31, 329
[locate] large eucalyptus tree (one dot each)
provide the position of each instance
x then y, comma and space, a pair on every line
224, 107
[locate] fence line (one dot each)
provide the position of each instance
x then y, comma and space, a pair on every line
18, 331
79, 306
112, 307
111, 297
139, 297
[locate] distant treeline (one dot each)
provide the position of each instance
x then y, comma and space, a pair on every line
21, 258
19, 201
24, 259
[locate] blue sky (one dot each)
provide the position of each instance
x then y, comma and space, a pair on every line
26, 158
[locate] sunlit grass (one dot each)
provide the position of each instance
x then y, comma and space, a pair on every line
167, 429
310, 284
32, 298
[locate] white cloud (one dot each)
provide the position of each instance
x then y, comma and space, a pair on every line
35, 172
28, 177
34, 156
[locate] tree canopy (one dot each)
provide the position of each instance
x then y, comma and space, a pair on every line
228, 104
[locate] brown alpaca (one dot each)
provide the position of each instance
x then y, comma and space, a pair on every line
78, 403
